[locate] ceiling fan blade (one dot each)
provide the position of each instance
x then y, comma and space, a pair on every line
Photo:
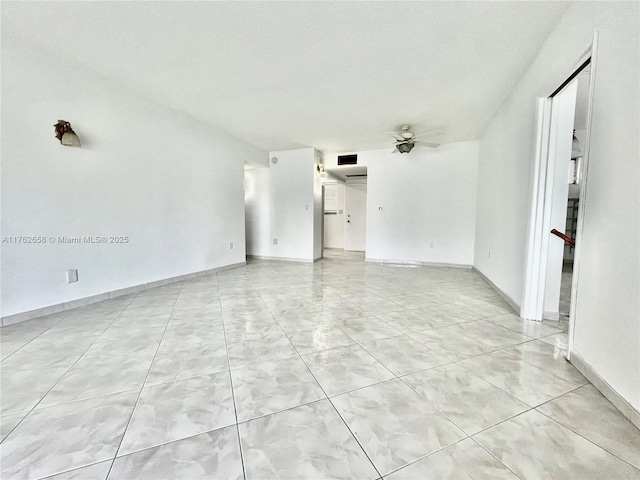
395, 150
430, 132
395, 135
427, 144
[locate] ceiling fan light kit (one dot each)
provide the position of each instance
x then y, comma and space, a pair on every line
405, 147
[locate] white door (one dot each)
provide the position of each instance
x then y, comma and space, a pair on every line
563, 109
356, 217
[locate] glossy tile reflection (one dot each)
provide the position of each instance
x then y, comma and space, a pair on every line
588, 413
463, 460
271, 387
343, 369
534, 446
310, 441
63, 437
394, 425
214, 454
175, 410
528, 383
472, 403
338, 369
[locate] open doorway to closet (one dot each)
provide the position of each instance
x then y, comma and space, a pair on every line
575, 181
558, 193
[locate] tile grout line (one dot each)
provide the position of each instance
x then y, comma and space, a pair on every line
503, 349
408, 386
142, 387
396, 377
163, 443
494, 456
67, 371
582, 436
436, 408
62, 376
38, 335
468, 436
329, 399
233, 392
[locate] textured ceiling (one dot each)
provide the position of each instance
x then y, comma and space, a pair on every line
332, 75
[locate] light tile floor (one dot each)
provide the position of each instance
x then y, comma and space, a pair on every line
339, 369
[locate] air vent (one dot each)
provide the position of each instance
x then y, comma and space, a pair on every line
347, 159
356, 176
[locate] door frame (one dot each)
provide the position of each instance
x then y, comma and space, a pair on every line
540, 212
322, 223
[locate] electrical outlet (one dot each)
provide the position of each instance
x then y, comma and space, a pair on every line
72, 276
381, 208
275, 241
230, 245
306, 207
431, 245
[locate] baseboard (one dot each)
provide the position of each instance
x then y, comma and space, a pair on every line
81, 302
284, 259
417, 263
555, 316
512, 303
607, 390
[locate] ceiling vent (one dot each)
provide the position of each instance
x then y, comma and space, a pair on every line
348, 159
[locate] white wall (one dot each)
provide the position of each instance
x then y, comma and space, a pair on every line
285, 194
334, 223
173, 186
607, 331
427, 197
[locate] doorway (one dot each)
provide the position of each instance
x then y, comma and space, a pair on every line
575, 180
557, 198
355, 203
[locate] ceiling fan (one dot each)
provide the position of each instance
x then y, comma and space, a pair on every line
406, 139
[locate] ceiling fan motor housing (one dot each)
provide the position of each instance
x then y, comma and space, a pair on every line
405, 133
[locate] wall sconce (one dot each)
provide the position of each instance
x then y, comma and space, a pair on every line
66, 135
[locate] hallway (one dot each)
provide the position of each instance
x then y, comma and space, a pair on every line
338, 369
